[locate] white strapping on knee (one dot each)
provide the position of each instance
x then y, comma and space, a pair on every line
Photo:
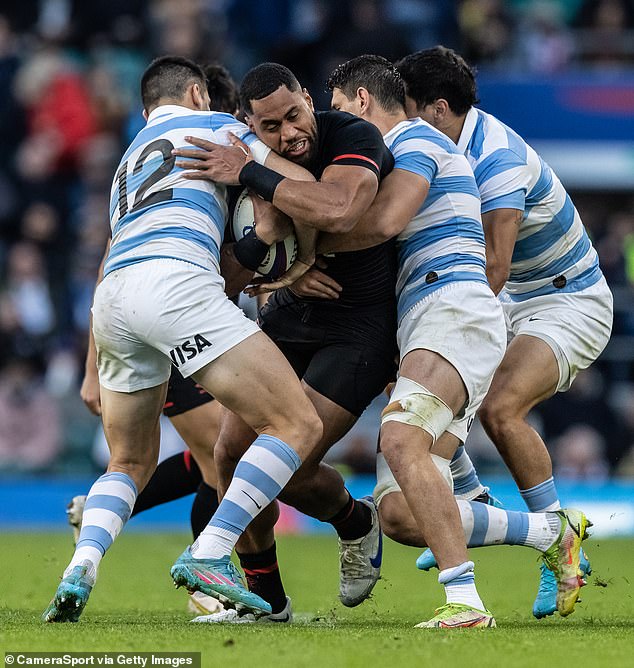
386, 482
412, 403
444, 466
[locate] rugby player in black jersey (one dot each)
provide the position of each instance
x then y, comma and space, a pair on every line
344, 349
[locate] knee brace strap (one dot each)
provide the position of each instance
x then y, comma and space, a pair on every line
412, 403
385, 480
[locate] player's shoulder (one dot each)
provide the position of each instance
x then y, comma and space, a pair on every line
334, 121
220, 120
492, 137
417, 132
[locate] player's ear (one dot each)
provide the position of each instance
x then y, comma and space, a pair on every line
198, 98
441, 107
249, 121
308, 98
145, 114
363, 99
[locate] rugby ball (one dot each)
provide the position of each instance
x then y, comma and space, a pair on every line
281, 255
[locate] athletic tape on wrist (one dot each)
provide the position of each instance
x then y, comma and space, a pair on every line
260, 151
260, 179
250, 251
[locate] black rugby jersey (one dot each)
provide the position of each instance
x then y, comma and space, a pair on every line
367, 276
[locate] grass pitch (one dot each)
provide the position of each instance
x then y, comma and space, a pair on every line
134, 607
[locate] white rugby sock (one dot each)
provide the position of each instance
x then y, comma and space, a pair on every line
460, 585
260, 476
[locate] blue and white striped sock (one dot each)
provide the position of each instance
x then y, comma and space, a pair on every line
466, 484
542, 498
260, 476
108, 507
487, 525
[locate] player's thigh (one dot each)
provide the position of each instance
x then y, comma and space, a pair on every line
451, 342
337, 421
126, 361
183, 395
350, 372
527, 375
254, 380
576, 326
233, 441
437, 374
199, 428
131, 423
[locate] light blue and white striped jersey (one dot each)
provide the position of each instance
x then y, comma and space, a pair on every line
553, 252
444, 242
154, 211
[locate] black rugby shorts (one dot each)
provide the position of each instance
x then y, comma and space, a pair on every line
346, 354
183, 394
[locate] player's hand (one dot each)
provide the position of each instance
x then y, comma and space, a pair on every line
271, 224
315, 283
294, 273
213, 162
90, 394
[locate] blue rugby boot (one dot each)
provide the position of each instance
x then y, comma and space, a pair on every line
546, 600
426, 561
488, 499
72, 595
218, 578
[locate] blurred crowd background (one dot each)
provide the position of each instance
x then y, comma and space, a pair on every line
69, 105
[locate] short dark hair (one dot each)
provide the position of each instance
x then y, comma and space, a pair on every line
222, 89
375, 73
263, 80
168, 77
437, 73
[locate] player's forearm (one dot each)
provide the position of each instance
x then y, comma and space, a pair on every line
500, 233
91, 353
327, 207
497, 274
362, 236
287, 168
380, 223
306, 242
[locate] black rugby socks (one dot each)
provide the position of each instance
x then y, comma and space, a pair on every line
353, 521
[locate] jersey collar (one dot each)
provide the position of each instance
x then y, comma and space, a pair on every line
467, 129
398, 127
169, 110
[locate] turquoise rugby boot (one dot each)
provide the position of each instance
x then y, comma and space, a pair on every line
546, 600
218, 578
72, 595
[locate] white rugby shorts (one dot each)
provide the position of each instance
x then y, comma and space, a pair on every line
155, 314
464, 323
576, 325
